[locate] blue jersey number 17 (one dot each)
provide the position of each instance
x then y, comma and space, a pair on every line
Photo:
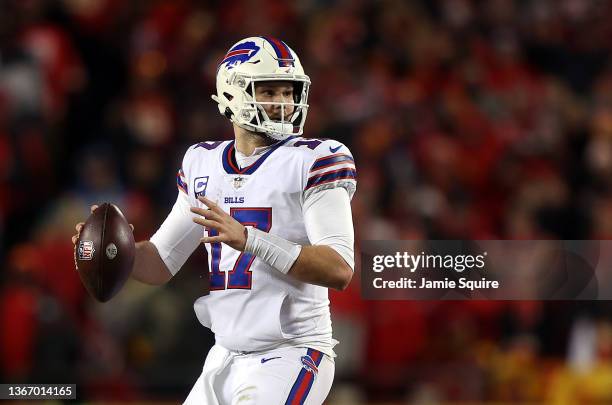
239, 277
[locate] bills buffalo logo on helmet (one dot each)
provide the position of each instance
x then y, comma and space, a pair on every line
239, 54
309, 364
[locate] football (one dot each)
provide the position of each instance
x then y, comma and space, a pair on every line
104, 252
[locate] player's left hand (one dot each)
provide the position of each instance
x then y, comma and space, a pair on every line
230, 231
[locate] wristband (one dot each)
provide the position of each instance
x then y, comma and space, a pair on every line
275, 251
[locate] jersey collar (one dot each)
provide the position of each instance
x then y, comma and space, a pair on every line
229, 158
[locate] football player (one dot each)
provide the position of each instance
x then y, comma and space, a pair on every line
273, 210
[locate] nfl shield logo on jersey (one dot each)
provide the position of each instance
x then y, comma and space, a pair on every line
199, 186
238, 182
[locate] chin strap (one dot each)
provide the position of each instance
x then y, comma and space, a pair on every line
278, 127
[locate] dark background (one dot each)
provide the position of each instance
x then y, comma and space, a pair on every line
468, 120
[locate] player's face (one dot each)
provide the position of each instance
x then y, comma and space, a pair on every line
280, 92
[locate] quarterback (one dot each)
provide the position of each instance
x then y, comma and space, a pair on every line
273, 211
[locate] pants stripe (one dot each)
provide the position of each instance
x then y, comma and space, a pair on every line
303, 382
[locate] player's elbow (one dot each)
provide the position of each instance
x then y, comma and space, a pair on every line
152, 276
149, 268
344, 274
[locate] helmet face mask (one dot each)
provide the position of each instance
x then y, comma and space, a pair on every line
256, 60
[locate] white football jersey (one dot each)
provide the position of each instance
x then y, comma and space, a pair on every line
251, 306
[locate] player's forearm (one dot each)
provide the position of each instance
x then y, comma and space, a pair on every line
149, 268
322, 265
316, 264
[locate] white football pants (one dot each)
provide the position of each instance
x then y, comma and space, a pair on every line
292, 375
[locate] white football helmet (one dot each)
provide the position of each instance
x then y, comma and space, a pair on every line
258, 59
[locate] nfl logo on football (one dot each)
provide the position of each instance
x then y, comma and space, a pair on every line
86, 250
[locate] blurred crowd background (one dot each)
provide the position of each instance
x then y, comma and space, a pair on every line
467, 119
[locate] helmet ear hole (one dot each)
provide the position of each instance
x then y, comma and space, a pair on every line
228, 96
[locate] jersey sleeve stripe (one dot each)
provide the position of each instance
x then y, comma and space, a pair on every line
327, 160
349, 164
331, 176
180, 181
